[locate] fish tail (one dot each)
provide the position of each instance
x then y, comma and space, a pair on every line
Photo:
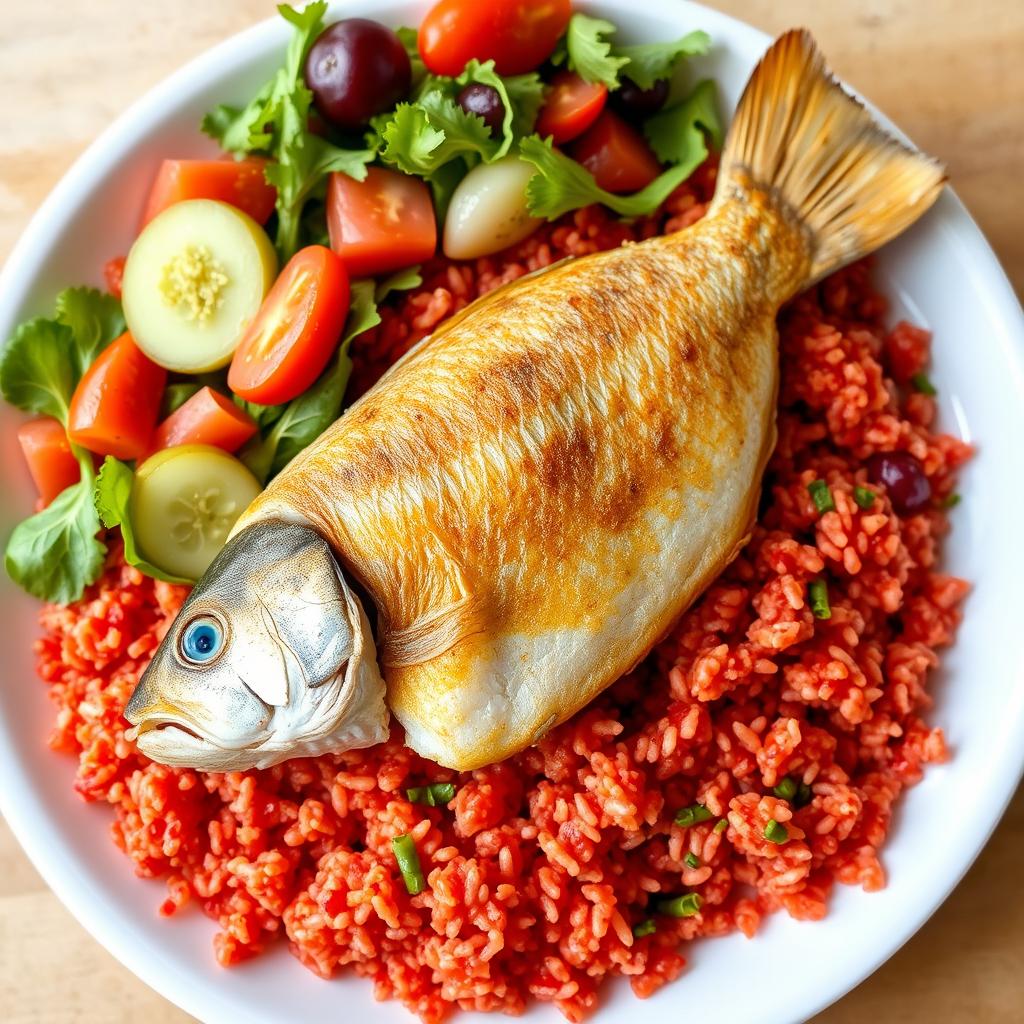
798, 134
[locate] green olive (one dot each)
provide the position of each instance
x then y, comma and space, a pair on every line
185, 500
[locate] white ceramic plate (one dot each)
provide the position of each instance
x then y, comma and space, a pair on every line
941, 274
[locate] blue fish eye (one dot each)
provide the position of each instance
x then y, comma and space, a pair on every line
202, 640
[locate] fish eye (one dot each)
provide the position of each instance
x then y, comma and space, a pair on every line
202, 640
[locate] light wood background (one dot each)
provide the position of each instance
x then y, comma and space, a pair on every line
950, 73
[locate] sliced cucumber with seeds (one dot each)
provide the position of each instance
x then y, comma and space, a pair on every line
185, 501
193, 281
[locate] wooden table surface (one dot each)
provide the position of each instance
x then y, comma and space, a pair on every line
950, 73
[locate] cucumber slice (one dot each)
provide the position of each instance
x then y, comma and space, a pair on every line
193, 281
184, 502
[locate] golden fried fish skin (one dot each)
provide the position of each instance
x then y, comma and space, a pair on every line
536, 492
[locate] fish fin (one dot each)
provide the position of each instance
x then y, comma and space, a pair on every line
799, 134
439, 607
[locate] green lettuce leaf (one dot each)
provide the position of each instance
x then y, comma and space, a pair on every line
409, 39
400, 281
276, 123
55, 555
112, 497
650, 62
95, 320
677, 134
422, 137
588, 51
176, 395
561, 184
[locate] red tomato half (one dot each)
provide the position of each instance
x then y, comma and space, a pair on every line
296, 330
616, 155
46, 448
572, 106
115, 405
238, 182
382, 223
208, 417
518, 35
113, 275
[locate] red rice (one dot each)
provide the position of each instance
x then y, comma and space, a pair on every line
543, 864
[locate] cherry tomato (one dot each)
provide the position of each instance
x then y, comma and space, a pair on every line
616, 155
238, 182
296, 330
113, 274
572, 106
115, 405
518, 35
382, 223
46, 448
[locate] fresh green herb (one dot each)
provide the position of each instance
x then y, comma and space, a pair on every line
400, 281
923, 385
45, 358
409, 38
54, 554
437, 794
821, 495
804, 795
561, 184
775, 832
951, 500
526, 93
276, 123
817, 593
112, 495
681, 906
301, 422
644, 928
404, 848
692, 815
649, 62
678, 134
864, 498
786, 789
691, 860
721, 826
588, 51
176, 395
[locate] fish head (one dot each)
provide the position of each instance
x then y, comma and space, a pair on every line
270, 657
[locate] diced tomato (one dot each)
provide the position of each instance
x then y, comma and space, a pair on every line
238, 182
208, 417
382, 223
115, 405
572, 106
46, 448
616, 155
518, 35
113, 273
296, 330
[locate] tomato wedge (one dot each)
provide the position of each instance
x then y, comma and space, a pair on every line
572, 106
616, 155
46, 448
115, 405
296, 330
518, 35
238, 182
208, 417
382, 223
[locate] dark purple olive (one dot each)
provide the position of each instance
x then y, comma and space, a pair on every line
904, 479
357, 68
633, 102
485, 102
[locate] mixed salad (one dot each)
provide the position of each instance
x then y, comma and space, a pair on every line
221, 350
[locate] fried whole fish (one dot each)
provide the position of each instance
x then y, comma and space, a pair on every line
535, 493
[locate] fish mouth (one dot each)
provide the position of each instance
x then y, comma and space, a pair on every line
151, 725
